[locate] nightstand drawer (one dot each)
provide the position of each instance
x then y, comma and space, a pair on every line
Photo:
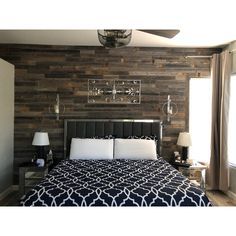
191, 173
185, 171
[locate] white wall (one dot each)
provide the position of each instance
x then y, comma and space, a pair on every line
6, 124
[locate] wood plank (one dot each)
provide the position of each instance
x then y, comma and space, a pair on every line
42, 71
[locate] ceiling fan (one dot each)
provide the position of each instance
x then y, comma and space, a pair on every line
119, 38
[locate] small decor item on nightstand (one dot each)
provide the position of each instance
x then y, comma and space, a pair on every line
33, 160
50, 156
40, 162
177, 157
184, 140
190, 161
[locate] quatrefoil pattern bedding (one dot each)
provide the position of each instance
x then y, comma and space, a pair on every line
115, 183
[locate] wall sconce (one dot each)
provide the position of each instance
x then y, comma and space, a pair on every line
170, 109
57, 108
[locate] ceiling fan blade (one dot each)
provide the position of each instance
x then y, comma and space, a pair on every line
163, 33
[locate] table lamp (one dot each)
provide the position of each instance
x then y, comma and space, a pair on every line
40, 140
184, 140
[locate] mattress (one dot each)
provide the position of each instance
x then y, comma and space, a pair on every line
115, 183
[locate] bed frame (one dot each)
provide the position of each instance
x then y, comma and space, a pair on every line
119, 128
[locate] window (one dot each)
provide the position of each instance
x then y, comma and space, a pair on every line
200, 96
232, 122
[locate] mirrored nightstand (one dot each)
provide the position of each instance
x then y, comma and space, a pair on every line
30, 175
195, 173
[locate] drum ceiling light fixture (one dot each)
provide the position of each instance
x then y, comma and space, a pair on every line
114, 38
119, 38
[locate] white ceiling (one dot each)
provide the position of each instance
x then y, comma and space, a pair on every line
185, 38
202, 23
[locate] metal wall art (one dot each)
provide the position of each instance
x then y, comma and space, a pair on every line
114, 91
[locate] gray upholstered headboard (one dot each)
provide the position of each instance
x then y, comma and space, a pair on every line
119, 128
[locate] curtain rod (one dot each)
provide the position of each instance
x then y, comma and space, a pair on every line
232, 51
198, 56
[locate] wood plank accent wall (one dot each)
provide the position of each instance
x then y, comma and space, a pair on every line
43, 71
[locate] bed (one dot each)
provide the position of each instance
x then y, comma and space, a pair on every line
116, 181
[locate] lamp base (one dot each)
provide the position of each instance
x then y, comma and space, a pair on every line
40, 152
184, 153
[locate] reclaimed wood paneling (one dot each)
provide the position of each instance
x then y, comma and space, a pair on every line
43, 71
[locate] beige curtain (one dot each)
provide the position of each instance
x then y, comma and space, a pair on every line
218, 177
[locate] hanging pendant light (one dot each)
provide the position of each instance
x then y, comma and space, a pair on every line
114, 38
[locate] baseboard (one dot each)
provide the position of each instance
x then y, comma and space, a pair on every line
8, 190
5, 193
231, 194
15, 187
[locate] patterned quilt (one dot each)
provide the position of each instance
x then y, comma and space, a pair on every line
115, 183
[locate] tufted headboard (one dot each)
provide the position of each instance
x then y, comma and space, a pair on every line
119, 128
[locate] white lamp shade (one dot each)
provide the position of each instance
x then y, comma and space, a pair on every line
40, 139
184, 139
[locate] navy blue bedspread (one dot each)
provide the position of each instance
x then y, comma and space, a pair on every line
115, 183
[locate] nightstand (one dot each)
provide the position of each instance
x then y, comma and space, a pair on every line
195, 173
30, 175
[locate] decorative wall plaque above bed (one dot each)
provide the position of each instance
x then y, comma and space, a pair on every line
114, 91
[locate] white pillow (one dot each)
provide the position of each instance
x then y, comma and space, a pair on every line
91, 149
135, 149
